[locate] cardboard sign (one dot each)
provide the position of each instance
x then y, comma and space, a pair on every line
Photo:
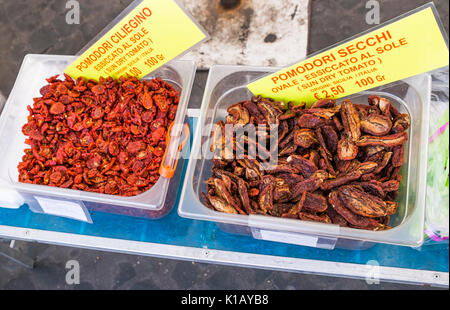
151, 35
409, 46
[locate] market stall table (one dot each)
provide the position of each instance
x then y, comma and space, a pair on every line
178, 238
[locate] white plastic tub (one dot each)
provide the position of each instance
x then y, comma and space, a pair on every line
154, 203
226, 85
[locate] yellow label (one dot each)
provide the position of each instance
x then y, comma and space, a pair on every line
407, 47
152, 34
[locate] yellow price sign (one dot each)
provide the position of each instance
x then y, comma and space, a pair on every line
404, 48
151, 35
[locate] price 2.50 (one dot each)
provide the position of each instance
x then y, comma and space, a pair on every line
330, 93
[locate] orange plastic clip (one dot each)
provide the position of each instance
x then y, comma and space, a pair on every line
168, 171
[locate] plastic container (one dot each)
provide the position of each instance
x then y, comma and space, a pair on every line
154, 203
226, 85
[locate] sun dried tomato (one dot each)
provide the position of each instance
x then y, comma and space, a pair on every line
142, 155
123, 157
158, 151
172, 112
336, 163
113, 149
98, 89
147, 101
158, 134
134, 147
36, 135
86, 139
147, 117
162, 103
97, 113
57, 108
104, 137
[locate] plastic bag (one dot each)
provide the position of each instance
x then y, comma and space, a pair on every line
437, 209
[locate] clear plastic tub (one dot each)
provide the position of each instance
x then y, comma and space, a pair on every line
154, 203
226, 85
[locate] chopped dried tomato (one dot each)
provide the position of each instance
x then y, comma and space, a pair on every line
134, 147
147, 101
57, 108
104, 137
113, 149
97, 113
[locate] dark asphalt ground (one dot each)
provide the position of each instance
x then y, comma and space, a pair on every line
39, 26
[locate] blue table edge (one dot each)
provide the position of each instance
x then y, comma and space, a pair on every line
239, 259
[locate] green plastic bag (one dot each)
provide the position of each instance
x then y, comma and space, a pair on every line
437, 209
